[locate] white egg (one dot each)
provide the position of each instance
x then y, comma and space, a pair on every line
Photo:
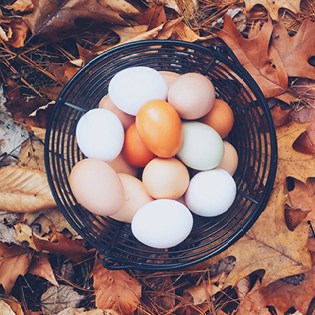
202, 147
100, 134
210, 193
130, 88
162, 223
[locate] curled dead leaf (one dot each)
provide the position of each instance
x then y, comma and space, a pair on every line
24, 190
21, 6
19, 32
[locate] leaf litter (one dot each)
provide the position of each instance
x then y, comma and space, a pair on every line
263, 256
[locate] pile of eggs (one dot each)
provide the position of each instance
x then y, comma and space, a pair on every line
170, 129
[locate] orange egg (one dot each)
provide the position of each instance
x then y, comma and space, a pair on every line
160, 128
134, 150
220, 118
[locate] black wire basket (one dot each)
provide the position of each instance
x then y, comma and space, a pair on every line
253, 136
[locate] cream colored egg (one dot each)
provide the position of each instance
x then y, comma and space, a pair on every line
169, 77
125, 119
165, 178
96, 186
121, 166
230, 158
135, 197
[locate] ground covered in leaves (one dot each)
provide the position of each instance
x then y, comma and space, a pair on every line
46, 268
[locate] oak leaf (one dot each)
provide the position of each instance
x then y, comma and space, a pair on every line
291, 162
261, 61
295, 51
40, 266
281, 295
53, 17
273, 6
115, 289
269, 245
24, 190
14, 261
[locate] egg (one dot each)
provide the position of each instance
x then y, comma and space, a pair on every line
160, 128
230, 158
165, 178
125, 119
100, 134
169, 77
121, 166
192, 95
162, 223
210, 193
202, 147
220, 118
130, 88
134, 150
135, 196
96, 186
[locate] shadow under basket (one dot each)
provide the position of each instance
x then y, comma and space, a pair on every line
253, 136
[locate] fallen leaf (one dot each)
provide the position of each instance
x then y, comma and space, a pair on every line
21, 6
12, 136
24, 190
63, 72
3, 35
261, 61
273, 6
5, 308
302, 197
115, 289
85, 55
183, 32
57, 243
202, 292
32, 154
291, 162
14, 304
295, 51
8, 235
52, 17
305, 143
40, 266
282, 296
14, 261
243, 287
19, 32
293, 217
152, 17
81, 311
9, 218
280, 115
56, 299
52, 92
269, 245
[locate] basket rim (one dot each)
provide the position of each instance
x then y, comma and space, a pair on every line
230, 59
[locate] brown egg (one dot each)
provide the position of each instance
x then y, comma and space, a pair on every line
125, 119
192, 95
230, 158
220, 118
96, 186
121, 166
135, 196
169, 77
165, 178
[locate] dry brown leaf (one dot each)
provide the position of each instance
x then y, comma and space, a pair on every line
291, 162
296, 50
5, 309
40, 266
32, 154
81, 311
21, 6
19, 32
280, 115
8, 235
269, 245
52, 92
273, 6
281, 295
14, 304
64, 72
14, 261
202, 292
152, 17
183, 32
52, 17
293, 217
260, 60
39, 133
115, 289
3, 35
302, 197
305, 143
56, 299
24, 190
57, 243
